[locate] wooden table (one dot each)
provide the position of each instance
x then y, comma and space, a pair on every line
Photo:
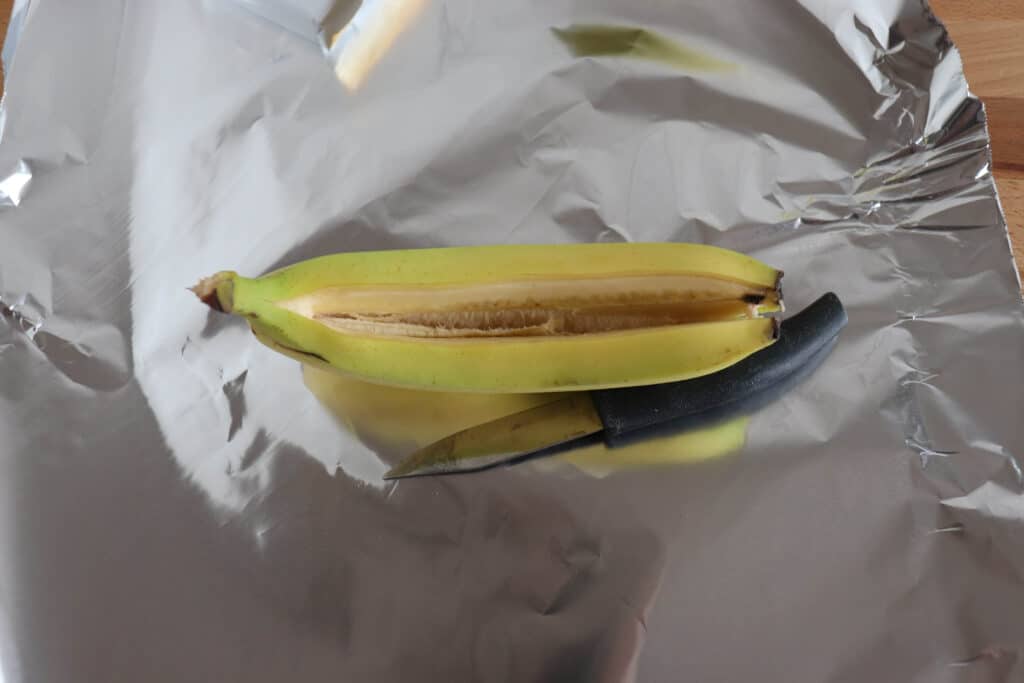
990, 35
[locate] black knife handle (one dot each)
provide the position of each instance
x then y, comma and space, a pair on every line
805, 339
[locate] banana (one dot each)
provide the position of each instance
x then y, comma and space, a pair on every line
512, 318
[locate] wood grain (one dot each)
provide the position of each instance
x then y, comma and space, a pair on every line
957, 11
1011, 194
993, 56
990, 37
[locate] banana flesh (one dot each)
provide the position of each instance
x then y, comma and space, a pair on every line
513, 319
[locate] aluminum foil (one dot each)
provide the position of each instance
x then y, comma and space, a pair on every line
181, 503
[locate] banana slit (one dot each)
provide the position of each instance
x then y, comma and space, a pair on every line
535, 309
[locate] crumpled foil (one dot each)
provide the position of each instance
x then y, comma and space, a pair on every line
183, 504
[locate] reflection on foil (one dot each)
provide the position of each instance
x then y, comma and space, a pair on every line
397, 421
369, 34
17, 319
639, 43
394, 419
993, 516
14, 185
994, 500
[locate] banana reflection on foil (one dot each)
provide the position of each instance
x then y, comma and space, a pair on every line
597, 40
361, 33
358, 33
401, 419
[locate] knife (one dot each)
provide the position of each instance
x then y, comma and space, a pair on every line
620, 417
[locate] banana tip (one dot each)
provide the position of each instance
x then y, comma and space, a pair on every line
211, 293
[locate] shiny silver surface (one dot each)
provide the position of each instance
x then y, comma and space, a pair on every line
179, 505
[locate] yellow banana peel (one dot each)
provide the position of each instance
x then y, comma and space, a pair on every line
515, 318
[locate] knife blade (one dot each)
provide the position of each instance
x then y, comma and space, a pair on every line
620, 417
505, 438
